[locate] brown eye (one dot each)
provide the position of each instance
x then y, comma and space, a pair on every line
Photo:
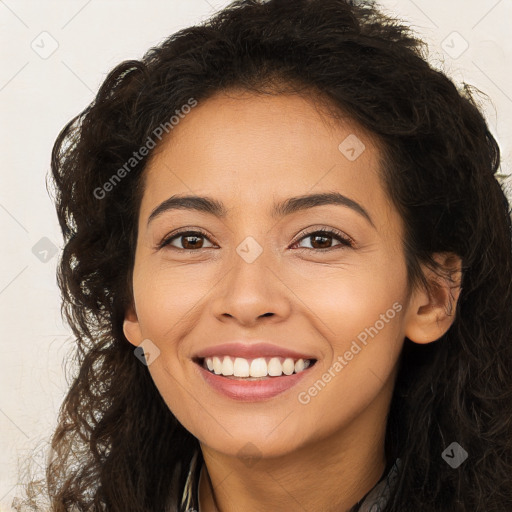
322, 239
190, 240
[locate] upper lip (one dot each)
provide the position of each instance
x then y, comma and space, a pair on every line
250, 351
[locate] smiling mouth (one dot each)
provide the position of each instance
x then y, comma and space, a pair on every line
261, 368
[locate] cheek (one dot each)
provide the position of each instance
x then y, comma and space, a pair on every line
359, 312
361, 322
348, 300
178, 393
166, 296
357, 306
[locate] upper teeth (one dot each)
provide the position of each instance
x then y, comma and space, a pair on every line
260, 367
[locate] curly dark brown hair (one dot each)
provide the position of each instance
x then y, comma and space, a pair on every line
117, 446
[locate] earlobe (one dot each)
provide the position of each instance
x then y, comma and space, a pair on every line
131, 327
432, 312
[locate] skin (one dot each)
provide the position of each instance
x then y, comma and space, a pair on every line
248, 151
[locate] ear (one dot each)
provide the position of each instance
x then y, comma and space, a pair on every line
131, 326
432, 312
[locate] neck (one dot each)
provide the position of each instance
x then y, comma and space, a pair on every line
331, 474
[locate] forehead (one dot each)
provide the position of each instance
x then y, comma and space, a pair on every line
249, 149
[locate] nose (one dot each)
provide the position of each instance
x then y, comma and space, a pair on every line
250, 291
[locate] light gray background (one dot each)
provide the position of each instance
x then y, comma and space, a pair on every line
40, 91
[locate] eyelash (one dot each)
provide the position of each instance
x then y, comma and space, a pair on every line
334, 233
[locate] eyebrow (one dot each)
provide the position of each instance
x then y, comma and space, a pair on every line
291, 205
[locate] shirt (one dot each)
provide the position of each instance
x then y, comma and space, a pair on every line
374, 501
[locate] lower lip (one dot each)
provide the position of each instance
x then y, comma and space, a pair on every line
252, 390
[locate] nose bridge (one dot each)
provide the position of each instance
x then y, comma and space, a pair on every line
250, 287
249, 272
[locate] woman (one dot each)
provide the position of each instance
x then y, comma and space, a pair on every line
288, 270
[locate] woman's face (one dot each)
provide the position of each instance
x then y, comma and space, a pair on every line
260, 274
